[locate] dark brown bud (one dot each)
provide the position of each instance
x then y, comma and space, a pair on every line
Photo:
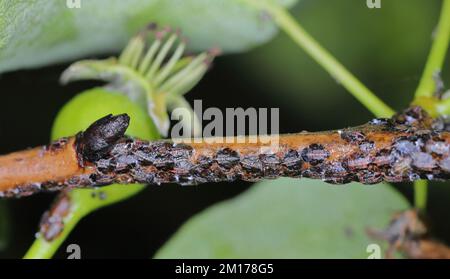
96, 142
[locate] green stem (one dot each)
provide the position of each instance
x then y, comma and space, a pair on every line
82, 204
420, 194
286, 22
43, 249
435, 61
427, 87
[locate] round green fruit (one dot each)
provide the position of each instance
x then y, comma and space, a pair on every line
93, 104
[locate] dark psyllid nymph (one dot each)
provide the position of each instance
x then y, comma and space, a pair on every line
408, 147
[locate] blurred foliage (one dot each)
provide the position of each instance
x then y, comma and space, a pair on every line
386, 48
288, 218
35, 33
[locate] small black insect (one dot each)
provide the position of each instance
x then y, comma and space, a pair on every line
315, 154
354, 137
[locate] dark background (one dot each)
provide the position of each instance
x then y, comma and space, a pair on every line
386, 48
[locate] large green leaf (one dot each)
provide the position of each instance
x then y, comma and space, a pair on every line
288, 218
39, 32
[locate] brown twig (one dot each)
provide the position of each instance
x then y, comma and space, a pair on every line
408, 147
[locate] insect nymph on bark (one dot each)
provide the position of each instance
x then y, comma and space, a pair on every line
407, 147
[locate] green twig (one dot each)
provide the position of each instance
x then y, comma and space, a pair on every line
82, 204
420, 194
443, 107
286, 22
427, 87
435, 61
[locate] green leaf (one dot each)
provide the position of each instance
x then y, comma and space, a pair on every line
288, 218
4, 225
34, 33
